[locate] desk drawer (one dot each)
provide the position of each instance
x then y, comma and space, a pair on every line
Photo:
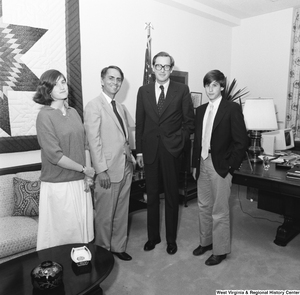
278, 203
262, 184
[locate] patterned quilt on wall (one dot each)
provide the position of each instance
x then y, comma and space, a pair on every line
35, 36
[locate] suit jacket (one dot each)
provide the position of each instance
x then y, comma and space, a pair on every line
107, 142
173, 127
229, 139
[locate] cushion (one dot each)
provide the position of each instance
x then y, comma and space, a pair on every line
29, 175
7, 201
17, 234
26, 194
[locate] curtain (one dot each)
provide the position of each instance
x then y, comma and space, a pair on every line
293, 109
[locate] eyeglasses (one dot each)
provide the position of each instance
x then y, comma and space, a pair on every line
159, 67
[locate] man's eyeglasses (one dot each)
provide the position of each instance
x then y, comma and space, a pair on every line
159, 67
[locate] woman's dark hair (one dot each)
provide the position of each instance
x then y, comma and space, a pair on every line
47, 82
164, 54
214, 75
104, 71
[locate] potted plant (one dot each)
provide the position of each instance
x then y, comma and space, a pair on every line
229, 94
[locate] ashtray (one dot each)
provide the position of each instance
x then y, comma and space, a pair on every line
82, 269
81, 255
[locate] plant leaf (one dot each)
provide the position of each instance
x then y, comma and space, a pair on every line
229, 93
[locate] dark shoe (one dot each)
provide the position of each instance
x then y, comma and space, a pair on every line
201, 250
122, 255
215, 259
172, 248
150, 245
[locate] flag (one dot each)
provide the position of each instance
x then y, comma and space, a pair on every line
147, 69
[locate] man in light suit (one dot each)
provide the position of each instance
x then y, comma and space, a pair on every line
111, 156
164, 122
218, 150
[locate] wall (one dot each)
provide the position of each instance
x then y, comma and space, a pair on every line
260, 57
115, 33
112, 32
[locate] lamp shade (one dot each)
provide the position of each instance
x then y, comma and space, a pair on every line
259, 114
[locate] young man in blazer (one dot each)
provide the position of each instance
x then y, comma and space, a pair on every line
164, 122
219, 148
107, 136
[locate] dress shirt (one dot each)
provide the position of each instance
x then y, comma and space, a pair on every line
108, 99
216, 104
158, 90
109, 102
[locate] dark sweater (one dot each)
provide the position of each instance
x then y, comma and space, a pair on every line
60, 135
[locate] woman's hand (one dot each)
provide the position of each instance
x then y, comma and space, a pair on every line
89, 171
88, 183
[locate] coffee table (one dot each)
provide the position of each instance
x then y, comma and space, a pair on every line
16, 279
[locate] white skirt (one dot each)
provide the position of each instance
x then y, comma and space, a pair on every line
65, 214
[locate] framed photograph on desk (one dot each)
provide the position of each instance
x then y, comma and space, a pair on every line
196, 99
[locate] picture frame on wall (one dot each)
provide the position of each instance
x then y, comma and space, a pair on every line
196, 99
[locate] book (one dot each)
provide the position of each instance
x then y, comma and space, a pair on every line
294, 172
293, 177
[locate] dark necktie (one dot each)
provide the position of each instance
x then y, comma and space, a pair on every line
161, 100
118, 115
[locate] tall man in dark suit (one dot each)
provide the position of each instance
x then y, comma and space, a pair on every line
219, 147
164, 122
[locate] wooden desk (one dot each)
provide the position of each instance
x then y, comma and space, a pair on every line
277, 194
16, 279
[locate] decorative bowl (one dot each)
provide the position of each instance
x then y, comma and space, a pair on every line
81, 255
47, 275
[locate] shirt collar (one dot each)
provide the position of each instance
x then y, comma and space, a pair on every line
166, 85
107, 98
215, 102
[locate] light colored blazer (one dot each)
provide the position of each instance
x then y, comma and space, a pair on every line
108, 145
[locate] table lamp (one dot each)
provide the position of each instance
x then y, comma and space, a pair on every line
259, 115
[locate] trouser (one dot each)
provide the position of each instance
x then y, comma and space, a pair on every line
165, 169
111, 213
213, 202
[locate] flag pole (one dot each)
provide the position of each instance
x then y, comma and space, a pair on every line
148, 27
147, 69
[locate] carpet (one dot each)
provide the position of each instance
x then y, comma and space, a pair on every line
255, 262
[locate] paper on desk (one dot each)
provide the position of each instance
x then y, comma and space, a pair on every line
278, 160
290, 158
274, 159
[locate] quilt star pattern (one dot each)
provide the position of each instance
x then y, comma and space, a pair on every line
14, 74
35, 36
